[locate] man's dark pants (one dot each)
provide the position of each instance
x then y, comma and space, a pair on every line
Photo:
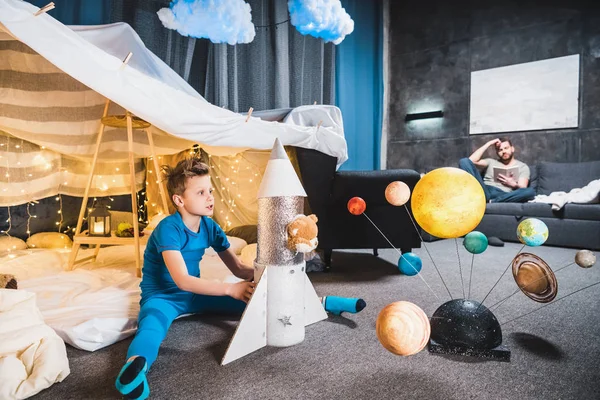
494, 194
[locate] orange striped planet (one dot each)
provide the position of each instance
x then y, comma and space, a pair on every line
403, 328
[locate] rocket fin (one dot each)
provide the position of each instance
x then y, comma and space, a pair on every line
251, 332
313, 309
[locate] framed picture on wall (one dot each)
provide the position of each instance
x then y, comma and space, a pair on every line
525, 97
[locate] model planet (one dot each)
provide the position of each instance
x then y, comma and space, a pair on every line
403, 328
475, 242
532, 278
397, 193
585, 258
448, 202
410, 264
356, 206
532, 232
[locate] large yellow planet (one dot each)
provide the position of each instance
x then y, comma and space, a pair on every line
448, 202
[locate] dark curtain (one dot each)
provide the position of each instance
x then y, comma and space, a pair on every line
280, 68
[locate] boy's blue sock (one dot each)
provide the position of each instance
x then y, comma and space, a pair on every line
337, 305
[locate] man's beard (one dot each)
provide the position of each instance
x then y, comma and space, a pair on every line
506, 160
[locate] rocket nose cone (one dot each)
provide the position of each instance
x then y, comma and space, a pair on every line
278, 152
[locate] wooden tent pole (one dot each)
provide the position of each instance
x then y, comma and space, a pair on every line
136, 228
76, 245
161, 189
92, 168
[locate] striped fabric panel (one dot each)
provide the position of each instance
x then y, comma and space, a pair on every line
28, 172
41, 104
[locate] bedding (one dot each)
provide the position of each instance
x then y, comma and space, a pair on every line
32, 356
97, 304
588, 194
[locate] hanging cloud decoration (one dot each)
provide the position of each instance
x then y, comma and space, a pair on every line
221, 21
325, 19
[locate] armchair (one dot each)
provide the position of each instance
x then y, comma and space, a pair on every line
328, 194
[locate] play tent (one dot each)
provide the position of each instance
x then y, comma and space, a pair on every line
55, 80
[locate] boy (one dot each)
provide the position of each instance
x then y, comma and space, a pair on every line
171, 283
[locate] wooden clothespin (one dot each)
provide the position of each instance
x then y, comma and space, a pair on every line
249, 114
46, 8
319, 125
126, 60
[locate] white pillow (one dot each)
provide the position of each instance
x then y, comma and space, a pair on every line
10, 243
49, 240
154, 221
248, 254
236, 243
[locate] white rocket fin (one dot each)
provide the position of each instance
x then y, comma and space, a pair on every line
313, 309
251, 332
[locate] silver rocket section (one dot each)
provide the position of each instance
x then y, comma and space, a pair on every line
274, 214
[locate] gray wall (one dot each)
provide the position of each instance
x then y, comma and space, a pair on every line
435, 44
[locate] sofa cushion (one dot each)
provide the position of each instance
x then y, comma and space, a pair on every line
562, 177
590, 212
534, 177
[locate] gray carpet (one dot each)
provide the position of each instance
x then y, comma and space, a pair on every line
555, 352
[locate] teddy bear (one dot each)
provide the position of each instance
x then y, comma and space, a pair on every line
302, 233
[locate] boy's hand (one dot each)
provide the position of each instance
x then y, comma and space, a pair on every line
241, 291
246, 273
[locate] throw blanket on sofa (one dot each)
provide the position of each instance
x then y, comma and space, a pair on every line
585, 195
32, 355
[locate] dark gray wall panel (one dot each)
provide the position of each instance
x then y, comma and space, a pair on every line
435, 45
426, 155
591, 150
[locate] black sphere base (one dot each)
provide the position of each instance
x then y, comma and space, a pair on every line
466, 327
500, 353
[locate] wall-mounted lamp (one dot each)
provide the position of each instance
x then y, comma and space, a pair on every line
424, 115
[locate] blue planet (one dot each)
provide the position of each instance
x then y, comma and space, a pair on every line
532, 232
410, 264
475, 242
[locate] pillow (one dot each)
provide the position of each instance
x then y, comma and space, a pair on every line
237, 245
154, 221
248, 254
10, 243
49, 240
247, 232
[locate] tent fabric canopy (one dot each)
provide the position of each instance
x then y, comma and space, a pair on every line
55, 80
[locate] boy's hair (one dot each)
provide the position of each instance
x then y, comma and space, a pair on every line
176, 177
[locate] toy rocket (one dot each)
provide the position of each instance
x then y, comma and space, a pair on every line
284, 300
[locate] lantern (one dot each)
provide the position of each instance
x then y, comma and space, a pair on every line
99, 221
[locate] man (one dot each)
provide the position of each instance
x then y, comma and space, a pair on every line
506, 188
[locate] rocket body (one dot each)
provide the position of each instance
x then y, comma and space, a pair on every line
285, 288
284, 300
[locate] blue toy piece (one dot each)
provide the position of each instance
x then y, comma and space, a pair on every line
410, 264
337, 305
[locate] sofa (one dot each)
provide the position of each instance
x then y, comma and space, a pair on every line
574, 225
328, 193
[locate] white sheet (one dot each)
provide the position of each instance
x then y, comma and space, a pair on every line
588, 194
149, 89
97, 304
32, 356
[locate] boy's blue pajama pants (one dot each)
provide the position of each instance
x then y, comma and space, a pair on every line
158, 312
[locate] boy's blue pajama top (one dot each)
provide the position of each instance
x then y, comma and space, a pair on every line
162, 301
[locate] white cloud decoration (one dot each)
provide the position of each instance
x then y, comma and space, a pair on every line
221, 21
324, 19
